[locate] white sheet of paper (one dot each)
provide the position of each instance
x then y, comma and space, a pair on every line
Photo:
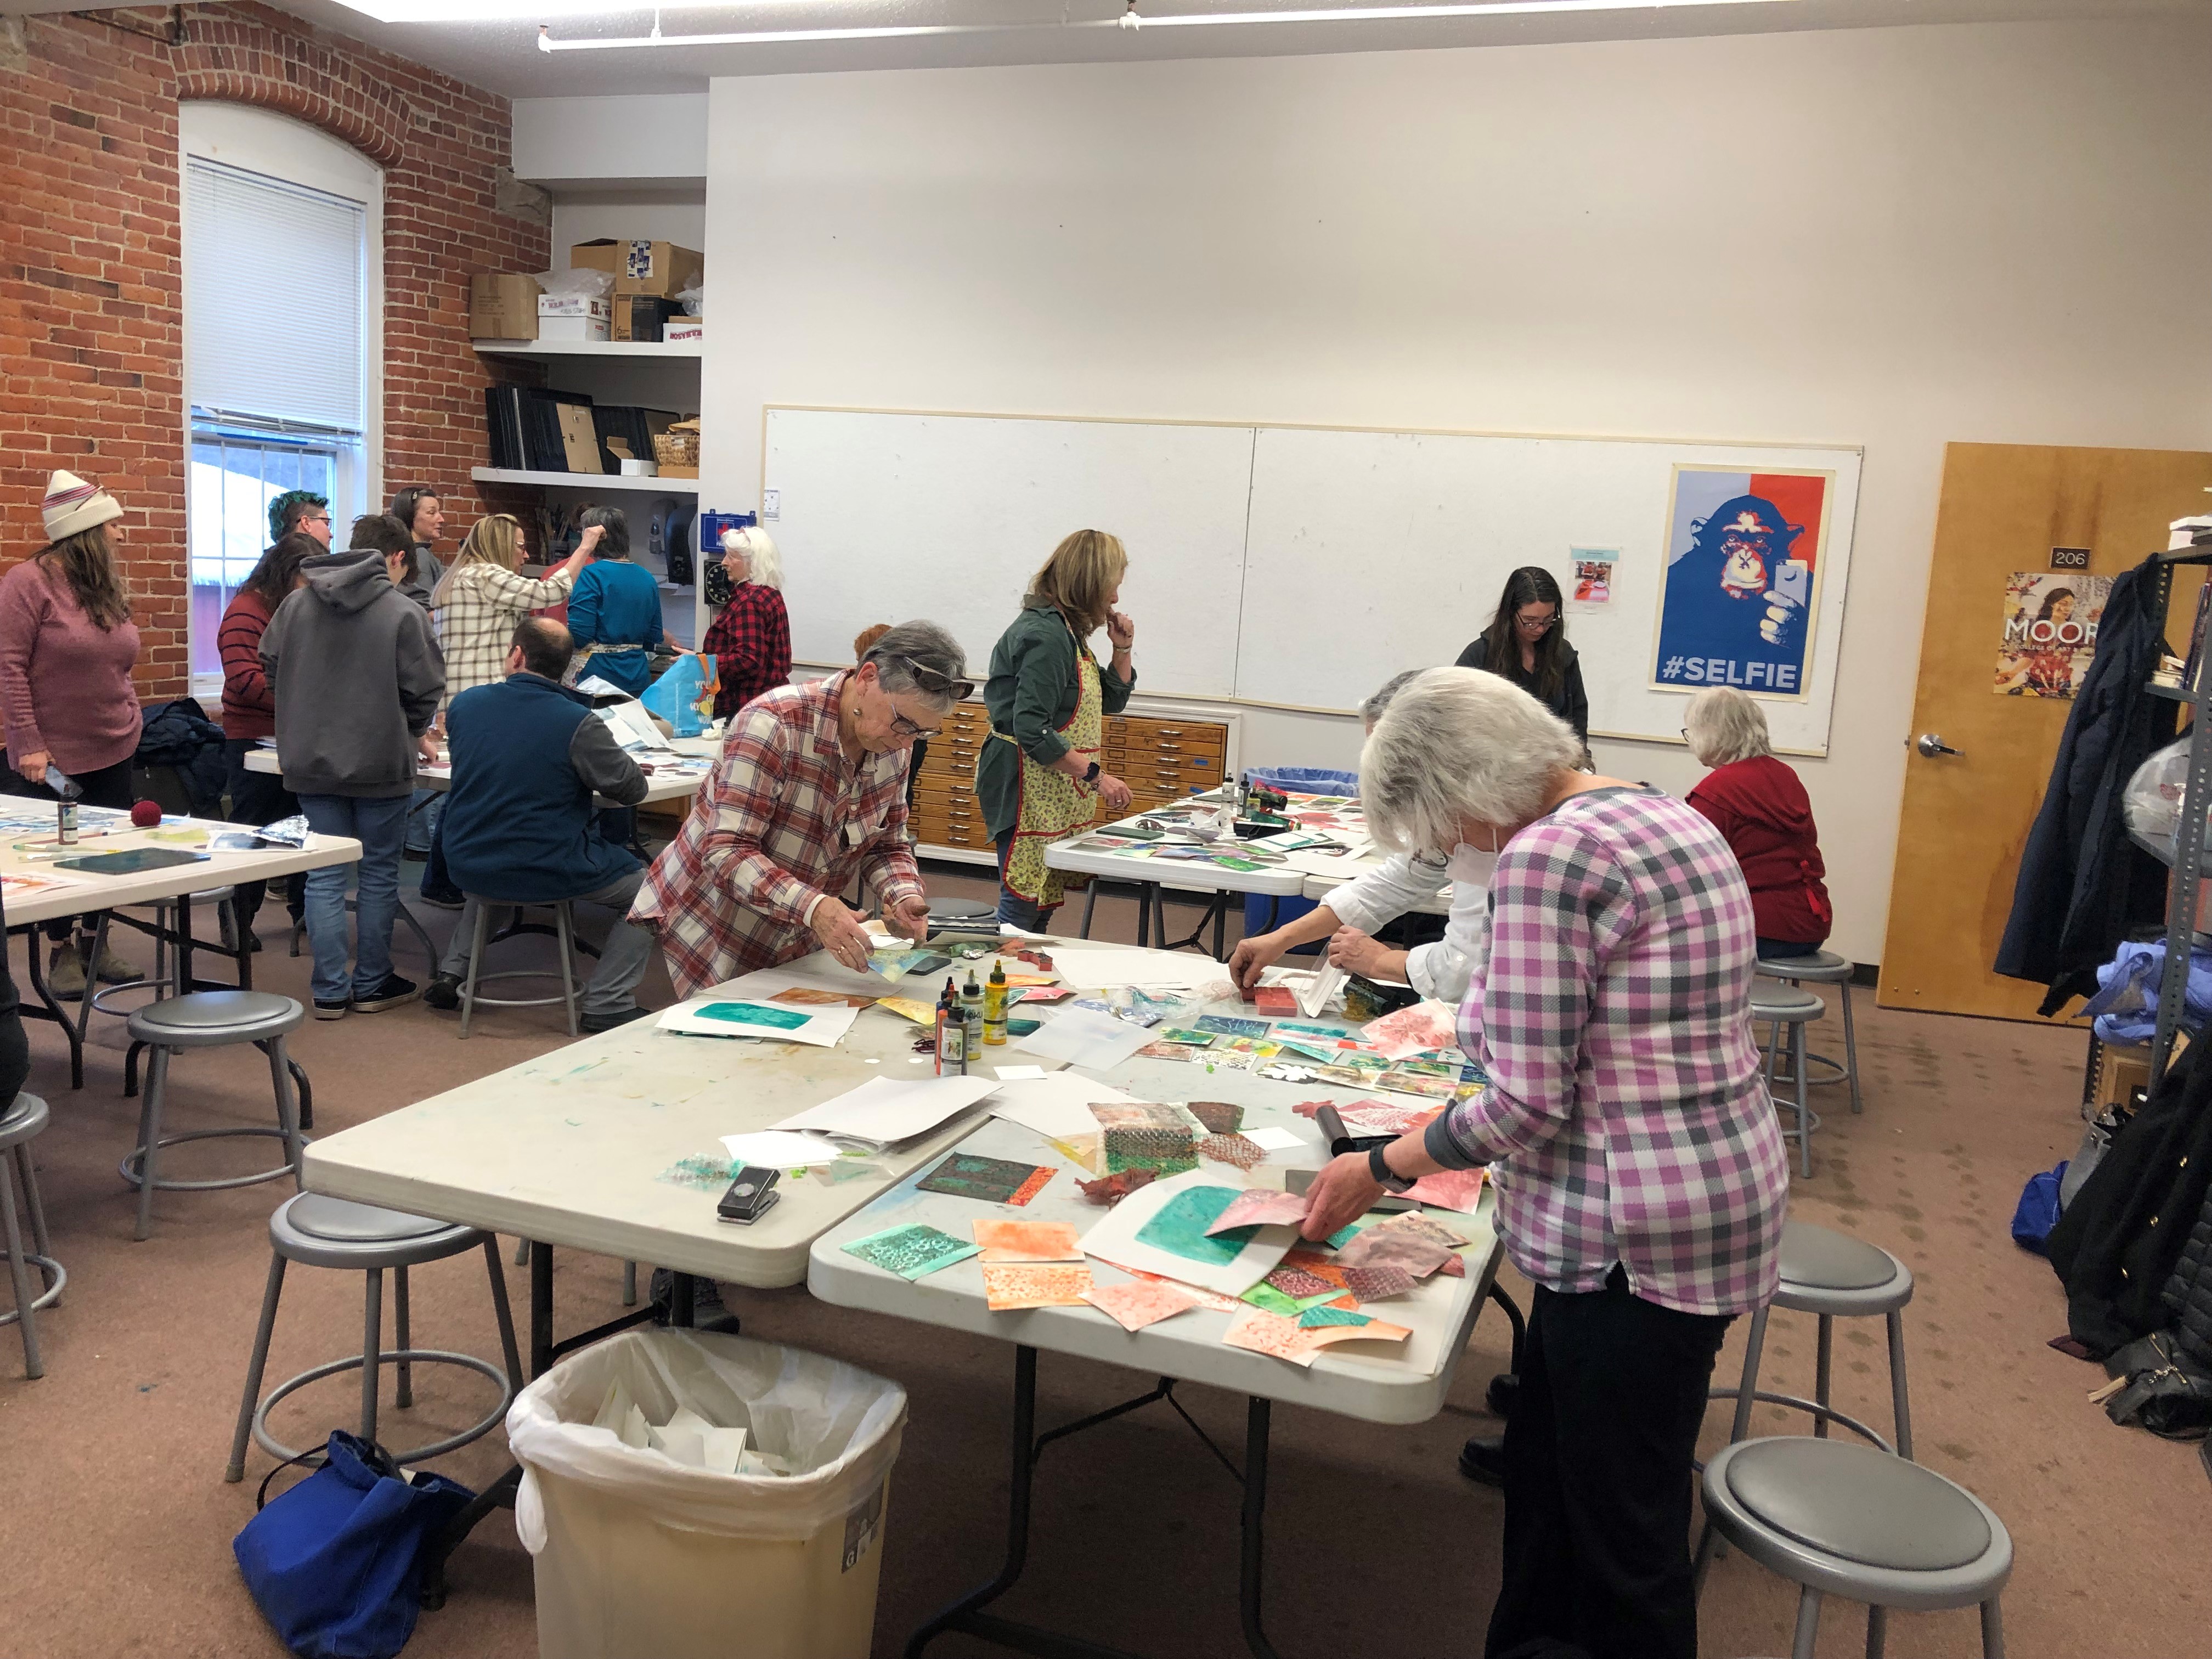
631, 725
1056, 1105
779, 1149
884, 1111
1021, 1074
1097, 968
1084, 1036
1114, 1238
823, 1026
1277, 1141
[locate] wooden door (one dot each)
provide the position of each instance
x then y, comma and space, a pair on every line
1966, 816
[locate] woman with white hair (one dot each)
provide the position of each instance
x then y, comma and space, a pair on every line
1640, 1173
1759, 805
750, 638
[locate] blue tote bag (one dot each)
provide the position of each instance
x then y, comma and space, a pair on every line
335, 1563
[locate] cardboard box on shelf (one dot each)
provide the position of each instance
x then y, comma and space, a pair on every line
502, 306
640, 266
574, 304
572, 328
683, 328
640, 317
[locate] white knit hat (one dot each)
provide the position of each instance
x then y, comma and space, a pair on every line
72, 506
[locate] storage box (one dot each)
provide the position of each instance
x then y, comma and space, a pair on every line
502, 308
640, 317
572, 328
574, 304
684, 328
640, 266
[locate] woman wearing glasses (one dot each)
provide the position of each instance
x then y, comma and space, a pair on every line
1527, 643
1039, 779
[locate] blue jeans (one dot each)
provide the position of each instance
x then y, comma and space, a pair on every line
1012, 907
380, 827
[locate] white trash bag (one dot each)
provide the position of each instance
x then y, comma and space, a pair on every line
637, 1552
2152, 802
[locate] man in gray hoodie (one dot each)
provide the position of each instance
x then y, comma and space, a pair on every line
357, 677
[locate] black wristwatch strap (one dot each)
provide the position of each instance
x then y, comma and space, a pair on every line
1391, 1180
1092, 776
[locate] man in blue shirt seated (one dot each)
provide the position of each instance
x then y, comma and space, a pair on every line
520, 826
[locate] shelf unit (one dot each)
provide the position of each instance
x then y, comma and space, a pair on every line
592, 481
634, 351
2183, 851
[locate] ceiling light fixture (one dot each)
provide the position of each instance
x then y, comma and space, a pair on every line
1129, 19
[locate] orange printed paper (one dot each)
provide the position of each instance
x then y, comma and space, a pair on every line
1142, 1302
1027, 1240
1009, 1287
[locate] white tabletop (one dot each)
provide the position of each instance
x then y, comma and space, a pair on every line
1284, 880
1404, 1383
86, 891
568, 1148
441, 776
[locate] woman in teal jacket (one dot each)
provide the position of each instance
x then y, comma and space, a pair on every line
614, 609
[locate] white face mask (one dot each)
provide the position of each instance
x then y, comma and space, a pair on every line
1472, 864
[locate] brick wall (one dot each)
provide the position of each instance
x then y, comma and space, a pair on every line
91, 320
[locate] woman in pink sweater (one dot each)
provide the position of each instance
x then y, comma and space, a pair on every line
66, 647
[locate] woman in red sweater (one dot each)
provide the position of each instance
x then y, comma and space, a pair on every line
1762, 810
66, 647
750, 638
249, 706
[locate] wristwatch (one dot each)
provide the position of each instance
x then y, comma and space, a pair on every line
1092, 776
1391, 1181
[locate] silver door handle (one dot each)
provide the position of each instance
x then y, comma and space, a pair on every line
1932, 745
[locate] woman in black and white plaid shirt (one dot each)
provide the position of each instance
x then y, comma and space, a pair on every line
481, 600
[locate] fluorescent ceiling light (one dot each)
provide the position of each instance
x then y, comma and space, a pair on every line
1129, 20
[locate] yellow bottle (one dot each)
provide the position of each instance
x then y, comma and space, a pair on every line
995, 1006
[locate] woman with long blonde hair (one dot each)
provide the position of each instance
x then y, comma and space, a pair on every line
477, 603
1039, 778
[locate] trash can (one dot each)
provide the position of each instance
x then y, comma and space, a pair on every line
636, 1552
1308, 780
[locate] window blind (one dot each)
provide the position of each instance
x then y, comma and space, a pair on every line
273, 284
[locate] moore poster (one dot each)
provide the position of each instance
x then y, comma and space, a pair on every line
2049, 632
1743, 580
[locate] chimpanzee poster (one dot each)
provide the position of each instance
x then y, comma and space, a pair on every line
1743, 580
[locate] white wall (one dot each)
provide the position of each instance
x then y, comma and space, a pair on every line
565, 140
1893, 238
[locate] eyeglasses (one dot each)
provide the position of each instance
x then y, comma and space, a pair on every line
902, 727
1537, 624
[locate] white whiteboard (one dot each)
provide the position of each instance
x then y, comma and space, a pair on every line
1274, 565
889, 517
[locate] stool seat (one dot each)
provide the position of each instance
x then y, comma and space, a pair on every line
26, 1116
344, 1222
1821, 1259
1773, 1000
1814, 967
207, 1019
1864, 1505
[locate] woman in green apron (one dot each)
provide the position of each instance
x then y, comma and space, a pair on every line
1038, 778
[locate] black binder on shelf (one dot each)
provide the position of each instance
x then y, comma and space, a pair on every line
522, 425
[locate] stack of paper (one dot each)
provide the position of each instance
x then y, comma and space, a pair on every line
1084, 1036
736, 1016
889, 1111
686, 1437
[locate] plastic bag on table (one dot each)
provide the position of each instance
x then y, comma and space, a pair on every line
676, 696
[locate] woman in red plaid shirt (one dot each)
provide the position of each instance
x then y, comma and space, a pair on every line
750, 638
810, 789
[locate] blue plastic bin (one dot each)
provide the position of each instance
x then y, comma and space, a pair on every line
1308, 780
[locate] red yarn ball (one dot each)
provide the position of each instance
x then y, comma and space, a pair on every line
146, 814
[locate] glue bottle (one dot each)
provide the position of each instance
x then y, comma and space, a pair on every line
971, 997
951, 1043
995, 1007
971, 1040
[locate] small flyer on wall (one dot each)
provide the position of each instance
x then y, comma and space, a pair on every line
1593, 578
2049, 632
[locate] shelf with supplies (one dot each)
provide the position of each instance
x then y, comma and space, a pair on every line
655, 486
2183, 853
1161, 756
633, 350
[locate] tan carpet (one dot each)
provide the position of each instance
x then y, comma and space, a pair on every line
117, 1523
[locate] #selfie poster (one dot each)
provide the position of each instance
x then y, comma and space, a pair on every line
1742, 588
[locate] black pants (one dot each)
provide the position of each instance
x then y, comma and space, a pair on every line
257, 798
109, 786
1599, 1454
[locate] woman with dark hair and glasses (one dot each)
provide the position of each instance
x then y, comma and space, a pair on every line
419, 508
1527, 643
1039, 778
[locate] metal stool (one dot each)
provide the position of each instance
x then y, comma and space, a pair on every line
233, 944
23, 1122
1836, 1277
211, 1019
1842, 1520
1780, 1005
331, 1232
1824, 968
564, 931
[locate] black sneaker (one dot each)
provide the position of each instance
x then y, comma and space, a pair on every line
594, 1023
337, 1009
442, 900
444, 991
391, 995
1482, 1460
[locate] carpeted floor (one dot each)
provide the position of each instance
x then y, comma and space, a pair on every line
117, 1523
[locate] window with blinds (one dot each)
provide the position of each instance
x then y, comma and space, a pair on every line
275, 286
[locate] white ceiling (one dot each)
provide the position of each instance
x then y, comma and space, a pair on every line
503, 56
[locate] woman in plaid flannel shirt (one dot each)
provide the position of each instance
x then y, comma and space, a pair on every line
1640, 1173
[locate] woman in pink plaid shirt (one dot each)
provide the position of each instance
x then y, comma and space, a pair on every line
810, 790
1641, 1178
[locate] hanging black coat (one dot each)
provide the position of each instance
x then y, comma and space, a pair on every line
2116, 1245
2083, 885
